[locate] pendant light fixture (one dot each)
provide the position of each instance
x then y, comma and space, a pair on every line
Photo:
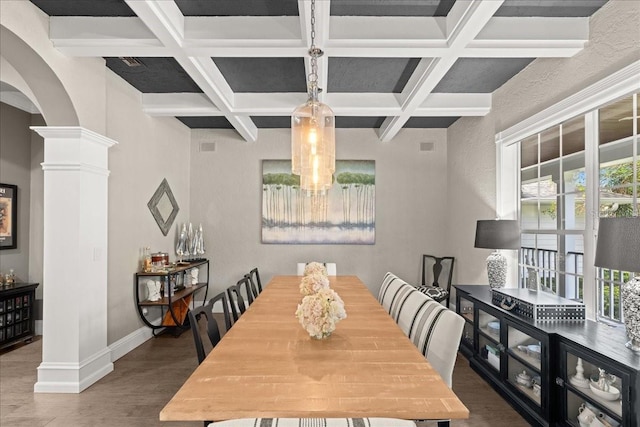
313, 132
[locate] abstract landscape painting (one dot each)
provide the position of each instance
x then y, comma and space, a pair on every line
346, 215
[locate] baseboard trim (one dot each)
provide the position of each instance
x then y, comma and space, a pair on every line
130, 342
73, 377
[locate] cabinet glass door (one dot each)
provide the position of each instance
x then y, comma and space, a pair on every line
489, 339
592, 388
465, 309
524, 364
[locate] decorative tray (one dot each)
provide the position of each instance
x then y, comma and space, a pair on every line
537, 306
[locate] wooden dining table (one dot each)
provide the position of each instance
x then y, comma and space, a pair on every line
267, 366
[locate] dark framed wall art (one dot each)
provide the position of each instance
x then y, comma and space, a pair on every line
8, 216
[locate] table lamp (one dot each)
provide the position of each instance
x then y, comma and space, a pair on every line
618, 248
497, 234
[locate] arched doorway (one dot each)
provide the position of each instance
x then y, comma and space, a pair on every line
74, 248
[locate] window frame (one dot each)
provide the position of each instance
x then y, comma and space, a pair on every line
585, 103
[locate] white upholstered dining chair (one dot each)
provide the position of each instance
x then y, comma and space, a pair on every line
393, 294
315, 422
330, 266
437, 332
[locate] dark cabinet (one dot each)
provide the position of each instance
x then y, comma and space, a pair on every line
533, 365
587, 352
17, 320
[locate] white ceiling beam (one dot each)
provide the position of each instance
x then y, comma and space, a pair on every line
350, 37
343, 104
463, 23
455, 104
179, 104
95, 36
166, 21
391, 28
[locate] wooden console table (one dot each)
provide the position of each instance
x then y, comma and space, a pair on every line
172, 307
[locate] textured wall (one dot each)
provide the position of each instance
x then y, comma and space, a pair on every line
148, 150
614, 41
410, 204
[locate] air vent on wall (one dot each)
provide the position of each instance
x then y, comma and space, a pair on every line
207, 146
426, 146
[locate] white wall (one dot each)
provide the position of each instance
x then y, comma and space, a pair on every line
614, 41
411, 185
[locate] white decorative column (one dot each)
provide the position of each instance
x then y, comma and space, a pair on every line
74, 337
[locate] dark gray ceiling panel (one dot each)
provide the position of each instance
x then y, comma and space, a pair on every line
550, 8
391, 7
217, 122
238, 7
84, 7
378, 75
263, 74
430, 122
480, 75
155, 75
272, 122
358, 122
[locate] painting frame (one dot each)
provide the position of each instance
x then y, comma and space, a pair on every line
344, 215
8, 216
163, 195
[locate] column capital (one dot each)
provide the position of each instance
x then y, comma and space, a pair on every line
73, 132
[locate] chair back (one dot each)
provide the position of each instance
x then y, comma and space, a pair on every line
436, 331
332, 269
393, 294
236, 300
256, 283
252, 287
212, 326
237, 294
438, 272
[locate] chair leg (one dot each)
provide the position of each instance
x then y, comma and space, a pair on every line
443, 423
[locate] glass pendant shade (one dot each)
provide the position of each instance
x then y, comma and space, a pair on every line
313, 146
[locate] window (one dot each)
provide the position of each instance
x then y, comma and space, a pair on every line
619, 171
574, 162
552, 209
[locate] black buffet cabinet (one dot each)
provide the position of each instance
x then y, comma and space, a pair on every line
17, 320
548, 370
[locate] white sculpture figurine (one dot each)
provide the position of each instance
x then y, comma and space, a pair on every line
194, 276
603, 384
153, 290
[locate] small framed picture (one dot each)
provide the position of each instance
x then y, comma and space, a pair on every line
8, 216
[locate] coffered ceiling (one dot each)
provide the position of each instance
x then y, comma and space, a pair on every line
388, 64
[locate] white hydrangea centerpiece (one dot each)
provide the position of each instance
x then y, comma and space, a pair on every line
312, 283
315, 268
320, 312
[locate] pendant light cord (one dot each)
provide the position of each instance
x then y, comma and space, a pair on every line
314, 53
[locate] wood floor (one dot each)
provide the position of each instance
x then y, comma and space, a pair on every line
145, 379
